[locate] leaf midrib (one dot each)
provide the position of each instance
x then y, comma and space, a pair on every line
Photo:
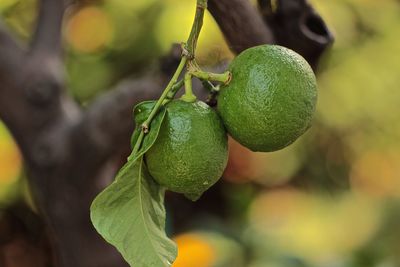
142, 211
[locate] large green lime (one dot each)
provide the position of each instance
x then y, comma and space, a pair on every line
271, 98
191, 152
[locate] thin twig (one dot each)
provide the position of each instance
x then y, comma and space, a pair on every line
196, 29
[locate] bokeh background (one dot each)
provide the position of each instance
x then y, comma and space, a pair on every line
331, 199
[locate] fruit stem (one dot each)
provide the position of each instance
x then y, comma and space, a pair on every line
210, 87
175, 88
191, 43
187, 55
138, 143
224, 78
174, 79
188, 96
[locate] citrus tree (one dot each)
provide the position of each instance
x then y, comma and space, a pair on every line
265, 100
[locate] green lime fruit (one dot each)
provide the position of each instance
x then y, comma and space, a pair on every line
271, 98
191, 150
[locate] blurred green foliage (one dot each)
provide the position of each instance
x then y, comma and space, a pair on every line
331, 199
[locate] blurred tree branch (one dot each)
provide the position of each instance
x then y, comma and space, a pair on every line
69, 152
107, 124
47, 37
10, 52
291, 23
297, 25
240, 23
42, 118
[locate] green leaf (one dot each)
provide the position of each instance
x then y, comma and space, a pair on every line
130, 214
150, 137
140, 113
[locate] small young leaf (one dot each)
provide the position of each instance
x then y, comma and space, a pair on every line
140, 113
151, 136
130, 215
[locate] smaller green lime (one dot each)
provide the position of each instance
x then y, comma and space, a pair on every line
271, 98
191, 151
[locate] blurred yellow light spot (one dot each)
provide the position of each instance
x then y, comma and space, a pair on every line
313, 227
131, 5
10, 158
269, 169
89, 30
377, 174
277, 208
193, 251
6, 3
355, 218
174, 26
